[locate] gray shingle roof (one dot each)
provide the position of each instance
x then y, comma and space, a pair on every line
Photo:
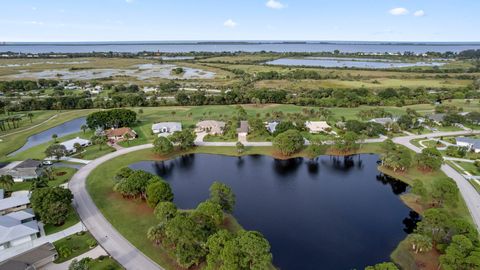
29, 163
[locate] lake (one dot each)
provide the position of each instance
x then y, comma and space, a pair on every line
349, 62
330, 213
251, 46
61, 130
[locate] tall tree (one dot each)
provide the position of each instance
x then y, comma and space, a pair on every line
222, 195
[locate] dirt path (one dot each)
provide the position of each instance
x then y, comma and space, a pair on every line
29, 128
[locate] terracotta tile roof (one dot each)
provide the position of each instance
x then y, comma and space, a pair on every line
119, 132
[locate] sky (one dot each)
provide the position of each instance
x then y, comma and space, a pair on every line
163, 20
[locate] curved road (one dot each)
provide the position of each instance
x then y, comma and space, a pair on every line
132, 258
107, 236
469, 194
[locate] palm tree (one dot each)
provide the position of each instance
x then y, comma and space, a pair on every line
84, 128
30, 115
6, 182
156, 233
420, 243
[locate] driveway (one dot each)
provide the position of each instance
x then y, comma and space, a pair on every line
108, 237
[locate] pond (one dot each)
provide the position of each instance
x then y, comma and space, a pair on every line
330, 213
61, 130
349, 62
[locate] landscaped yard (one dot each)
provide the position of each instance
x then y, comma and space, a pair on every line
94, 151
61, 175
74, 245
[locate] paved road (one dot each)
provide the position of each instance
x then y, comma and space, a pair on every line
470, 195
107, 236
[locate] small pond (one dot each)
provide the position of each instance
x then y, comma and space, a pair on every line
349, 62
61, 130
330, 213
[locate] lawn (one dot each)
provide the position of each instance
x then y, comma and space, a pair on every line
104, 264
72, 219
93, 152
469, 167
77, 244
13, 141
61, 175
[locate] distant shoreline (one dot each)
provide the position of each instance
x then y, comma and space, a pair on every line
109, 43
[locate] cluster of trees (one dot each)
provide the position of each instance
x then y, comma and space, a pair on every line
197, 236
140, 184
369, 129
51, 204
399, 158
111, 119
181, 140
289, 142
455, 238
396, 157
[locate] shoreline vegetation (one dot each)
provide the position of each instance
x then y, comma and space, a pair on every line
115, 208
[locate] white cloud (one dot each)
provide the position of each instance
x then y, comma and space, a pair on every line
419, 13
398, 11
129, 1
275, 4
230, 23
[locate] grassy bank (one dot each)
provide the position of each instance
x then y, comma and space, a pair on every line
13, 141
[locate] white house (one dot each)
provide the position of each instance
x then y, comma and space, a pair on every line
471, 144
17, 228
272, 126
70, 144
383, 121
166, 128
318, 126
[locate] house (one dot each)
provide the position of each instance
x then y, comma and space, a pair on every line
272, 126
165, 129
32, 259
243, 129
437, 118
471, 144
13, 204
23, 171
18, 228
318, 126
70, 144
211, 127
119, 134
383, 121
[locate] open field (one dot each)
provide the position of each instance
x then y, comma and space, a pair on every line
379, 83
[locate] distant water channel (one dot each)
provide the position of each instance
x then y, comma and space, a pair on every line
61, 130
349, 63
330, 213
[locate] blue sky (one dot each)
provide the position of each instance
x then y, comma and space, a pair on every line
127, 20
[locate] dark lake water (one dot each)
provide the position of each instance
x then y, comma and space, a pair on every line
331, 213
183, 47
61, 130
348, 62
